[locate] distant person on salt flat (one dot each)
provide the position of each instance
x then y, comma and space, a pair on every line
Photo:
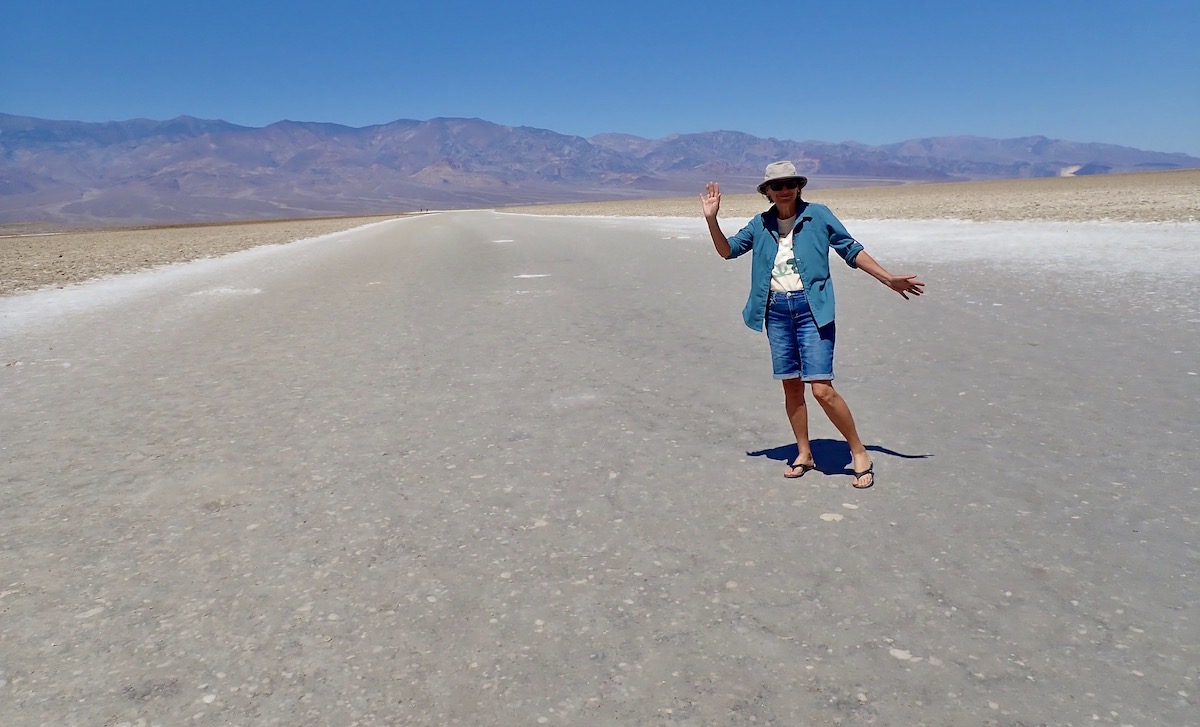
791, 293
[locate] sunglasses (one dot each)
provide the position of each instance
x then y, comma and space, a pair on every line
780, 186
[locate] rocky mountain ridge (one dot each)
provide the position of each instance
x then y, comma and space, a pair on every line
189, 169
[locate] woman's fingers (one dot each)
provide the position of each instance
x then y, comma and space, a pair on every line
711, 199
907, 284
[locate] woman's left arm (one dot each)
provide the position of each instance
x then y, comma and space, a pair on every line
856, 257
902, 284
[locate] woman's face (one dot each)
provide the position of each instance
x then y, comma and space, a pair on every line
783, 192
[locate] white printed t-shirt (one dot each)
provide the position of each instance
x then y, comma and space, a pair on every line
785, 276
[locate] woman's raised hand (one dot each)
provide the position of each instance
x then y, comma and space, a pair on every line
711, 200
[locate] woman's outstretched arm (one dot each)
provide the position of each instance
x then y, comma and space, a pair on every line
905, 285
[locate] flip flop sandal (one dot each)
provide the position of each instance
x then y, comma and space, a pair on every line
804, 469
859, 475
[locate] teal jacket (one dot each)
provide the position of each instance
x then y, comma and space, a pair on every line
816, 232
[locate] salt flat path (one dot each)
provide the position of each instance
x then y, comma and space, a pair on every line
489, 469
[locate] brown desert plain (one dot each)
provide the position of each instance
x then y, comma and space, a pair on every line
36, 255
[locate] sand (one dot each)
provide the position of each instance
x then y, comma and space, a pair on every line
33, 257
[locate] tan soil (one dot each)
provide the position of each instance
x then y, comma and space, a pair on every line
37, 255
1146, 197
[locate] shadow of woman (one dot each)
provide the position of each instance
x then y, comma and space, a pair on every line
831, 455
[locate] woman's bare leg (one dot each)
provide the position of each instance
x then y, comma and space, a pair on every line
797, 414
838, 412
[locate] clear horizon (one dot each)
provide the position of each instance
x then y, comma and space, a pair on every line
870, 72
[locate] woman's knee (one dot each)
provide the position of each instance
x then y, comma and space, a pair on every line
824, 392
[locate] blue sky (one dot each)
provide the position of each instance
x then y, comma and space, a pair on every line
870, 71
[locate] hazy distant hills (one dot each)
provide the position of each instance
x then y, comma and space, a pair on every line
189, 169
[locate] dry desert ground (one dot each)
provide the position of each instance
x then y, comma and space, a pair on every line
33, 256
39, 256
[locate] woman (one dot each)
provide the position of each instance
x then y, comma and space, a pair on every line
791, 294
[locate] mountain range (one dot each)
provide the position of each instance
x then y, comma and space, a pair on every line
189, 169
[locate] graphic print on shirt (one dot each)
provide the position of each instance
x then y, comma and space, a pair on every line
785, 275
783, 268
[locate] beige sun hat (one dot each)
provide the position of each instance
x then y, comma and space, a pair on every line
780, 170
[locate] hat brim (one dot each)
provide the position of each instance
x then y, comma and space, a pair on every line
762, 188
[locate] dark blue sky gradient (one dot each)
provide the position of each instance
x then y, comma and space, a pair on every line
876, 72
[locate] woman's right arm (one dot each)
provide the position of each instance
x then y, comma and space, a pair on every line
710, 201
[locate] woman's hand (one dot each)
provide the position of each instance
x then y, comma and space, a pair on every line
711, 200
905, 285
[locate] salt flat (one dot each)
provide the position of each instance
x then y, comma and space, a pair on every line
497, 469
31, 259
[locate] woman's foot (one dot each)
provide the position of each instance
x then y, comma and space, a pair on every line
864, 470
799, 467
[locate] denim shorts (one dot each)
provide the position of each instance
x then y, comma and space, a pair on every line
798, 348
